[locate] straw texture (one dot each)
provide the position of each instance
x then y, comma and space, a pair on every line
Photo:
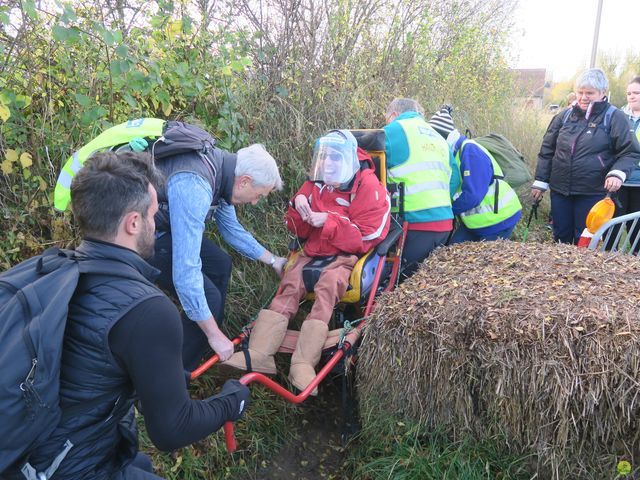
536, 344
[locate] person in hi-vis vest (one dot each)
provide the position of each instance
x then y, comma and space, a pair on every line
420, 158
487, 206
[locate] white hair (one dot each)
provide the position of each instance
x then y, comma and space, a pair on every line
255, 162
594, 78
401, 105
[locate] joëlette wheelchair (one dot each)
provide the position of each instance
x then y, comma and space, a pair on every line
375, 272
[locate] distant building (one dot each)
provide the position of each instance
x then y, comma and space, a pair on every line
532, 84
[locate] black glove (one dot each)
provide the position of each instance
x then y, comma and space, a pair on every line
238, 396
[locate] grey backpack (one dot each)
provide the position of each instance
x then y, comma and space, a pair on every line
34, 298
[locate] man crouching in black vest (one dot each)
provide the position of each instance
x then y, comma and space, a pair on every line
123, 337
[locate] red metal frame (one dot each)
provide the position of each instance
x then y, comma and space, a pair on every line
278, 389
255, 377
214, 359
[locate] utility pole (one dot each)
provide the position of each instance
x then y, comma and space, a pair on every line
596, 33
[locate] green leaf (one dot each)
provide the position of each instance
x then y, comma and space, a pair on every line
182, 69
60, 33
108, 38
125, 66
74, 35
90, 115
157, 21
166, 5
115, 67
237, 66
30, 9
68, 14
187, 24
23, 101
63, 34
83, 100
163, 96
122, 51
130, 100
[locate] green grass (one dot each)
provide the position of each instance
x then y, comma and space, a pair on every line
260, 433
393, 449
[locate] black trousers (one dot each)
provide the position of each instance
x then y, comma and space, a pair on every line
629, 202
216, 272
139, 469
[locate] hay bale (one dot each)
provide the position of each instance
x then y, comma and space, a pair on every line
536, 344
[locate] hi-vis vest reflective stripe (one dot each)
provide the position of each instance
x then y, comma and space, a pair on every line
427, 172
118, 135
486, 214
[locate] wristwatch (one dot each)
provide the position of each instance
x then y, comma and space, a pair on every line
272, 262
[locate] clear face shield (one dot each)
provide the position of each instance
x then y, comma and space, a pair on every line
335, 161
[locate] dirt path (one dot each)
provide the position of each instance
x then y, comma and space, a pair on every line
316, 451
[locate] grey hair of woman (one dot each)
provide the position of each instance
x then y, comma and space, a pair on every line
255, 162
594, 78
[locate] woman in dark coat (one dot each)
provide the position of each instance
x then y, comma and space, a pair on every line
587, 151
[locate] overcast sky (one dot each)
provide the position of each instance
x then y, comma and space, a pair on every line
558, 34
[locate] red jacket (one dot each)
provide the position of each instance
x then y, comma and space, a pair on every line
358, 219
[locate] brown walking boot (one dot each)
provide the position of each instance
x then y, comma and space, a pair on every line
306, 356
266, 337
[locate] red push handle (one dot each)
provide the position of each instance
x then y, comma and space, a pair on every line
213, 360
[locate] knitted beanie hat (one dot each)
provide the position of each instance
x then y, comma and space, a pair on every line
442, 122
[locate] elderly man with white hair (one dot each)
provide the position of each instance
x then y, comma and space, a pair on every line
198, 189
587, 151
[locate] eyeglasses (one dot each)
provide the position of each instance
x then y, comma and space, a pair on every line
334, 157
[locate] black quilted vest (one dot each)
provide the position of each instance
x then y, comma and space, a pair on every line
216, 166
91, 381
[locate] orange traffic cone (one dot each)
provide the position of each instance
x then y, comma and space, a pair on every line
599, 214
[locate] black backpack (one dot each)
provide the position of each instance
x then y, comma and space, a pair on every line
34, 298
179, 137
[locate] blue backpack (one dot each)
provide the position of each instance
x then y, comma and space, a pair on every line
34, 298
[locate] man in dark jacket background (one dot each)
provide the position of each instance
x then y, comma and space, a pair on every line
123, 338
